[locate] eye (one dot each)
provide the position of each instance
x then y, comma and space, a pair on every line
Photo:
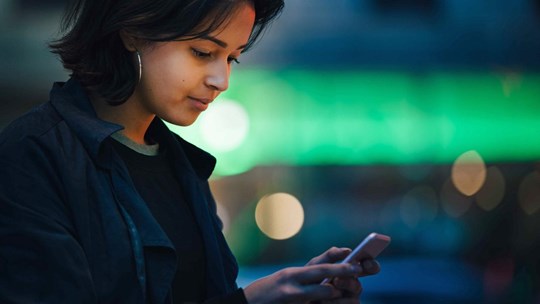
233, 59
200, 54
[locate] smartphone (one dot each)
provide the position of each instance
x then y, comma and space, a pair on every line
370, 247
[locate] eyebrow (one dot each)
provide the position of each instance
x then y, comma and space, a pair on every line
221, 43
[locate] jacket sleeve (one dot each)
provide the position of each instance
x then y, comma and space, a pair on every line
40, 258
236, 297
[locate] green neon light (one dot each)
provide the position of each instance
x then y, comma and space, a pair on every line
349, 118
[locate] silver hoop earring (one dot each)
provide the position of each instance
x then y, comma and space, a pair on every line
140, 65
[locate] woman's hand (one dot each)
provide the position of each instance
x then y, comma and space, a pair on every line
350, 287
303, 284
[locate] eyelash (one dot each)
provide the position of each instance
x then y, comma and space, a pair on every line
203, 55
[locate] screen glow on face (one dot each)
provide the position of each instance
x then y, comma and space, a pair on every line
304, 117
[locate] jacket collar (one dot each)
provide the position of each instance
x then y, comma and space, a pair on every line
72, 103
186, 155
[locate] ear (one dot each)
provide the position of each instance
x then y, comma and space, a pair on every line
128, 41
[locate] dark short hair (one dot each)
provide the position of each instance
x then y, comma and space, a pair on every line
93, 50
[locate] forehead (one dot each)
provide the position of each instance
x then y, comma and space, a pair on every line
227, 16
235, 31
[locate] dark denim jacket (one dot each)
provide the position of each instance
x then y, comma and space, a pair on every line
72, 227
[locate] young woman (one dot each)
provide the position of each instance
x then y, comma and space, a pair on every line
100, 202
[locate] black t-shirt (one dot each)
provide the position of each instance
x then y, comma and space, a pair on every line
155, 181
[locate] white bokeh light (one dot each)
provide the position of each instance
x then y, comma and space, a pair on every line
225, 125
280, 215
469, 173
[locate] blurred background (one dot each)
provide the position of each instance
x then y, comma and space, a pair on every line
413, 118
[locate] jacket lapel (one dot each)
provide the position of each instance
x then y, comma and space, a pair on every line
154, 254
216, 278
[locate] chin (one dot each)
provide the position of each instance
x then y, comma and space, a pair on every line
183, 122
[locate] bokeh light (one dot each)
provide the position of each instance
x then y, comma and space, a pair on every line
419, 205
279, 216
469, 172
498, 277
492, 193
529, 193
453, 202
224, 216
224, 126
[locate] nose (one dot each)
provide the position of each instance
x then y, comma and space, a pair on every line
218, 76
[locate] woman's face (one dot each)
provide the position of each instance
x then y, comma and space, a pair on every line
181, 78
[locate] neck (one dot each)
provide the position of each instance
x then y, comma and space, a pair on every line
132, 117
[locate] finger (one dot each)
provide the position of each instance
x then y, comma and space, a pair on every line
316, 273
342, 301
370, 267
318, 292
331, 255
349, 286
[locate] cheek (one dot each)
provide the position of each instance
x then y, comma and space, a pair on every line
164, 64
163, 79
169, 74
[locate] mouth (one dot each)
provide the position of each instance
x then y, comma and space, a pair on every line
200, 103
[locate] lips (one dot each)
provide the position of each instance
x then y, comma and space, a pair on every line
200, 103
202, 100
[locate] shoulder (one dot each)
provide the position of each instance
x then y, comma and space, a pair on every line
33, 141
29, 158
32, 124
